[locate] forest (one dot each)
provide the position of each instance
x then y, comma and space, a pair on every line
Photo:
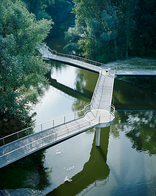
104, 30
111, 30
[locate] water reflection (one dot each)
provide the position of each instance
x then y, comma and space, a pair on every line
123, 164
139, 122
129, 96
67, 90
44, 173
85, 82
139, 127
94, 173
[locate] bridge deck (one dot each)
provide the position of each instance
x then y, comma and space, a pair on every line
102, 96
98, 114
47, 54
32, 143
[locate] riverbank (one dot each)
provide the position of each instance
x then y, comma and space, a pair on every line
136, 62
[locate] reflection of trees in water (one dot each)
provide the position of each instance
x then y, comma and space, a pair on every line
139, 127
57, 65
85, 83
127, 96
44, 177
27, 172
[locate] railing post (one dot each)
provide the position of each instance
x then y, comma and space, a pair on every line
17, 135
64, 119
53, 123
3, 141
41, 127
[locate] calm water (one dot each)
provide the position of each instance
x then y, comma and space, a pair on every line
125, 162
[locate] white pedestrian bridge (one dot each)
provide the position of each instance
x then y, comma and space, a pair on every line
98, 113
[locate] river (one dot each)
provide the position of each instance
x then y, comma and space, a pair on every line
124, 164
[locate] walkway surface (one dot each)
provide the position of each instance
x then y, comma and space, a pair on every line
98, 113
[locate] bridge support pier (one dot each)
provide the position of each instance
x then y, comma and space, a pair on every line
98, 129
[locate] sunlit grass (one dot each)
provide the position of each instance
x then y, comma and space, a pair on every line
131, 62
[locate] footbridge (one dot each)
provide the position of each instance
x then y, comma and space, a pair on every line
98, 113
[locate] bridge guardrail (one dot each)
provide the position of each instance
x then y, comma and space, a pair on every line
40, 143
107, 118
75, 57
44, 126
49, 137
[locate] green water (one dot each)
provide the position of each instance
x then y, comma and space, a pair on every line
124, 164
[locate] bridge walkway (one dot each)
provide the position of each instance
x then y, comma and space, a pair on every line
32, 143
76, 61
97, 113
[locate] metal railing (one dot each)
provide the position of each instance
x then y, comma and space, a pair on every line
44, 126
95, 91
107, 118
99, 63
53, 137
55, 122
74, 57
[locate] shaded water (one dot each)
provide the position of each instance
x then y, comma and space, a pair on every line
124, 164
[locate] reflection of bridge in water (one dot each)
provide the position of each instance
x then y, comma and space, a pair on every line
99, 113
95, 171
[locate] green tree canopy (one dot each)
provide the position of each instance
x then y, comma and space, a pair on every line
109, 30
21, 69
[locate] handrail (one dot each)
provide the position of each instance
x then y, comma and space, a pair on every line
112, 114
53, 123
98, 63
74, 57
94, 95
56, 132
47, 136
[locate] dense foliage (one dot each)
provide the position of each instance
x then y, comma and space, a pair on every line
21, 70
108, 30
57, 10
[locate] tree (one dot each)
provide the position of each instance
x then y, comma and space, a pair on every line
21, 69
38, 7
144, 35
61, 14
95, 30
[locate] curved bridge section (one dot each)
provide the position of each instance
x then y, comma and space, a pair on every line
99, 113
